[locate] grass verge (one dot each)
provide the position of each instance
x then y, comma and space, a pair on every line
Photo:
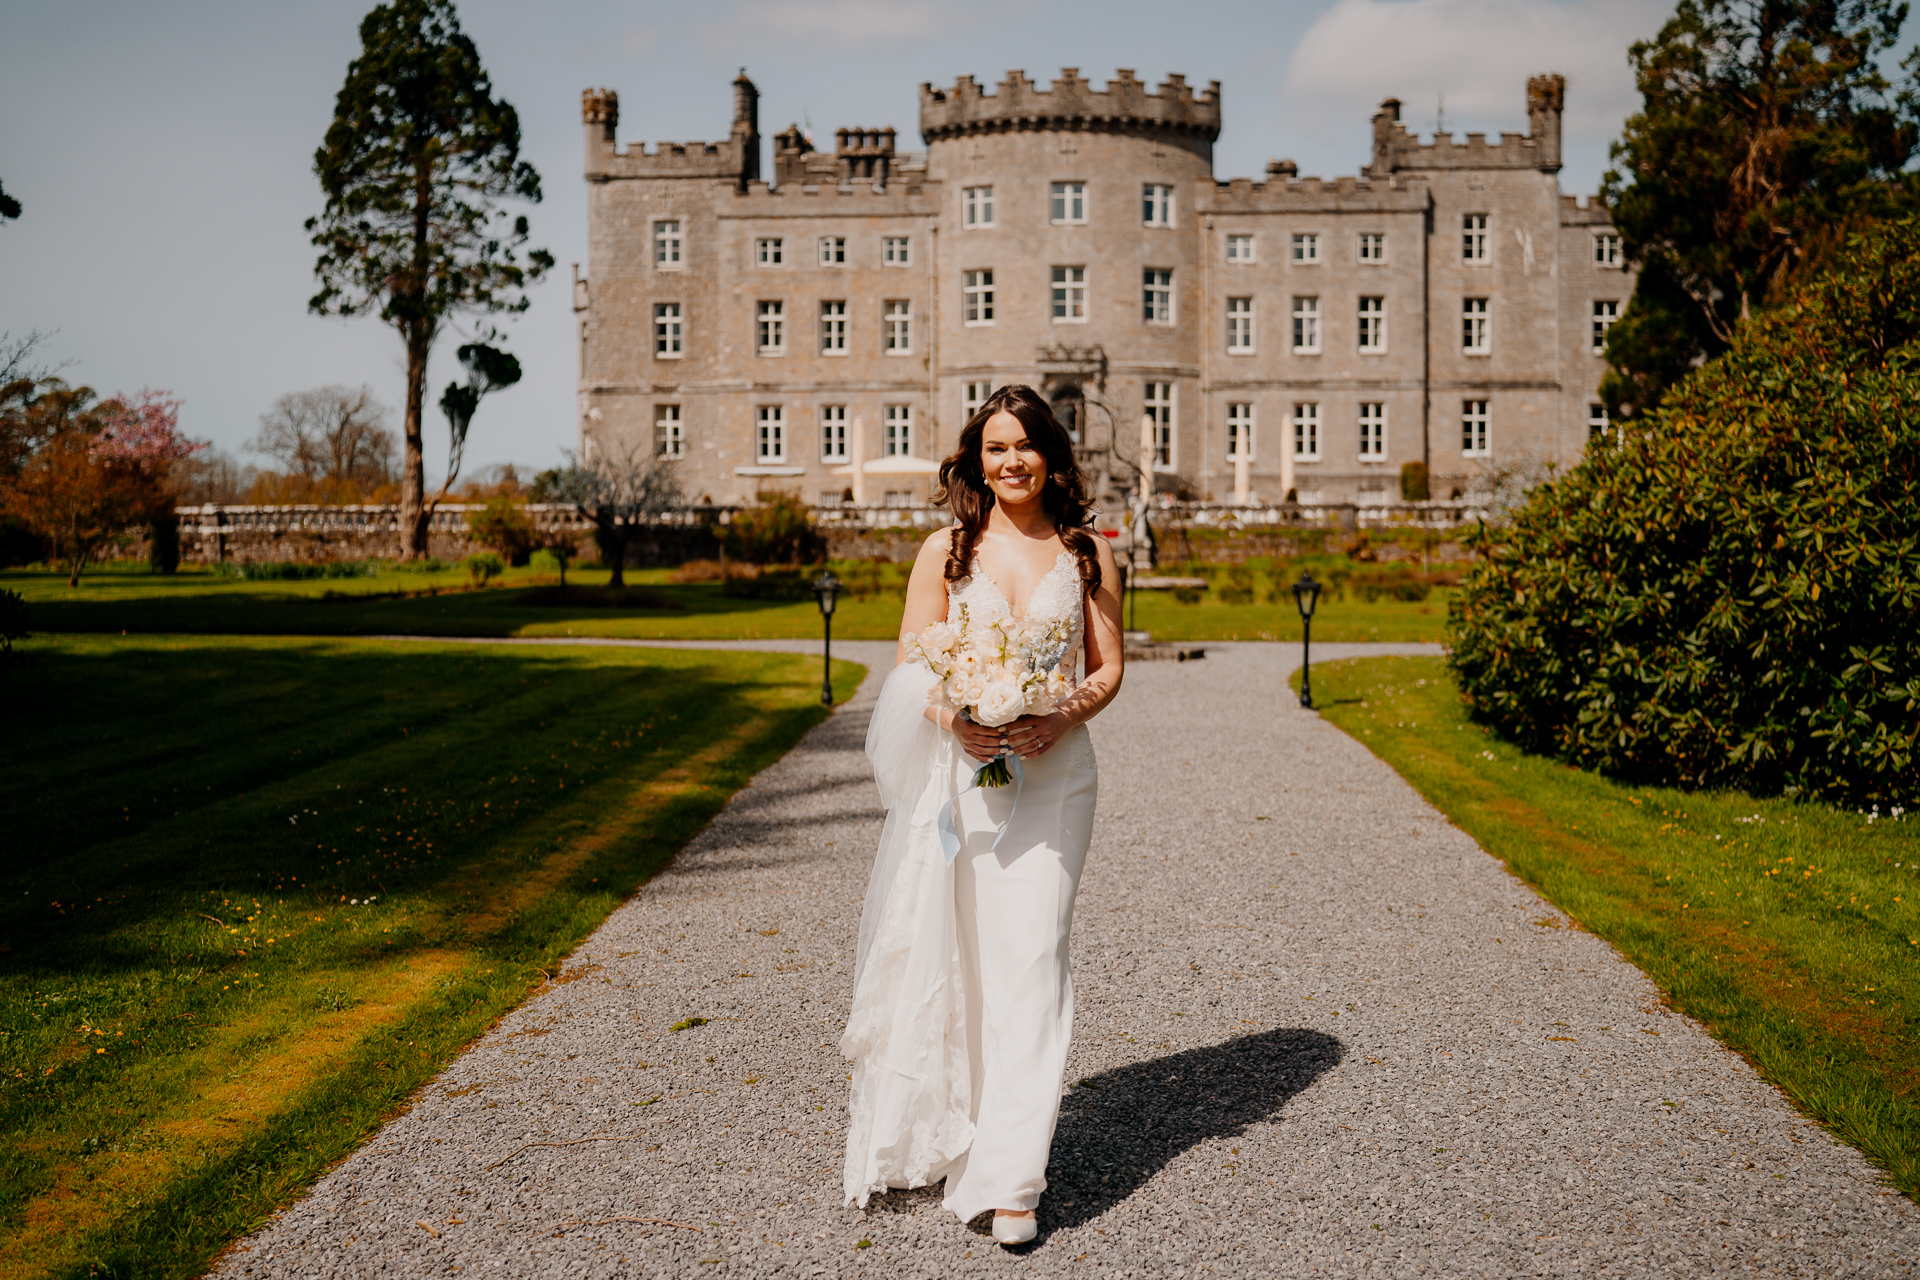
1784, 928
259, 891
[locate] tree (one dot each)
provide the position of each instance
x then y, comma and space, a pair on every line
414, 166
9, 206
334, 439
1767, 133
488, 369
617, 488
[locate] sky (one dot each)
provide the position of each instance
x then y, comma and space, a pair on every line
163, 149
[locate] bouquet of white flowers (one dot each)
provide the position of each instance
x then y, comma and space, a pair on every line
994, 672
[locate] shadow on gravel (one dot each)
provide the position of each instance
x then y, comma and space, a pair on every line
1119, 1128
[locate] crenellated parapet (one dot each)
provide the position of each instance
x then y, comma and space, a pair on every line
736, 159
1285, 191
1070, 103
1396, 148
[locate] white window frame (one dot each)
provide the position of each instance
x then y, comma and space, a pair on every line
1240, 327
1159, 400
1240, 434
1476, 242
1599, 421
769, 251
1605, 312
976, 207
1305, 430
669, 331
833, 433
770, 327
1372, 313
669, 432
1476, 326
1156, 205
668, 247
770, 435
833, 251
1068, 287
1156, 295
1067, 204
976, 296
1476, 429
972, 396
1606, 249
1306, 249
1373, 431
896, 326
1242, 241
833, 327
1372, 247
1306, 325
896, 431
896, 251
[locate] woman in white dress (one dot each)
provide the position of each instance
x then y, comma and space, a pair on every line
963, 998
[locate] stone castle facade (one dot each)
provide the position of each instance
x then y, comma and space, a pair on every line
829, 332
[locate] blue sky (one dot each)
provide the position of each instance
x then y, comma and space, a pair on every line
163, 149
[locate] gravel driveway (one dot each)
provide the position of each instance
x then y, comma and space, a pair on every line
1319, 1033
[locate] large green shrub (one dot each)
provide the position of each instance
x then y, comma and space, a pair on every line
778, 529
1727, 594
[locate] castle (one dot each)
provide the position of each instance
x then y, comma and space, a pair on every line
830, 331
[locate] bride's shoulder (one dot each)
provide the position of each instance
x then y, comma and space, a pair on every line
937, 545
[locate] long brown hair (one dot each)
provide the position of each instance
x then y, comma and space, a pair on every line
963, 484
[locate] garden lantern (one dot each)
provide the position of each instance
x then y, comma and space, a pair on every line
1306, 593
825, 589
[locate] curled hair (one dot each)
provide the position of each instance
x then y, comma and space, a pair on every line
963, 484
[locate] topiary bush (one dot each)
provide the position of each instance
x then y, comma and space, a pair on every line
483, 567
778, 529
1728, 595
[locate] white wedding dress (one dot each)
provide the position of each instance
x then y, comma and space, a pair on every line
963, 998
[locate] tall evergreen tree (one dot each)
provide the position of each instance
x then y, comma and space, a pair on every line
418, 157
1768, 131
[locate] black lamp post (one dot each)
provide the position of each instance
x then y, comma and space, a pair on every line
825, 588
1306, 593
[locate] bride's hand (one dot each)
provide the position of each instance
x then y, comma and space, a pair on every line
1034, 736
978, 740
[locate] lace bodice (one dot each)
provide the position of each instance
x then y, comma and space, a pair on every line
1057, 596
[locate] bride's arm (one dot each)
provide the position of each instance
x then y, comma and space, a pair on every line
926, 605
1035, 735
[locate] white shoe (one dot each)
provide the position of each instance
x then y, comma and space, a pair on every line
1011, 1230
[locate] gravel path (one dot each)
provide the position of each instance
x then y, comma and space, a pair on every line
1319, 1033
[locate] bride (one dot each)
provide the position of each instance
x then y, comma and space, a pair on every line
963, 998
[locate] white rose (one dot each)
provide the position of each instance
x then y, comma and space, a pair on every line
1001, 703
938, 640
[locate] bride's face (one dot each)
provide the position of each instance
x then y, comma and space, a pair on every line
1015, 470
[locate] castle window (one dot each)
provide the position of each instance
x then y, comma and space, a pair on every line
976, 297
772, 332
1475, 338
771, 445
1373, 246
1606, 250
1069, 295
1159, 403
666, 246
896, 323
1473, 238
1373, 324
1240, 326
1239, 432
833, 328
1069, 202
1597, 420
1604, 314
899, 431
1239, 248
1306, 432
1156, 205
976, 207
1157, 296
1306, 248
1373, 432
668, 442
833, 251
666, 331
769, 251
1306, 326
1475, 432
894, 251
972, 396
833, 433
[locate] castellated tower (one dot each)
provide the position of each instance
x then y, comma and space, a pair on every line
829, 332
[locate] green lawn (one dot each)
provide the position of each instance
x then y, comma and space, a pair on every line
1783, 927
194, 601
258, 891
